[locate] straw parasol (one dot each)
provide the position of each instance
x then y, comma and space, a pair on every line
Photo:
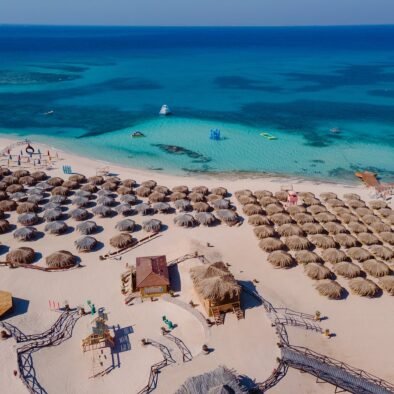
271, 244
14, 189
8, 205
213, 197
295, 242
323, 241
311, 201
355, 204
243, 200
196, 197
129, 198
264, 231
24, 233
200, 189
4, 171
312, 228
21, 173
294, 209
325, 217
306, 195
347, 270
328, 196
347, 218
262, 193
52, 214
387, 236
1, 215
87, 227
111, 186
84, 193
3, 195
55, 181
89, 188
317, 271
10, 180
218, 288
220, 191
18, 196
178, 196
182, 205
333, 255
106, 201
357, 253
272, 209
377, 204
385, 212
113, 179
387, 284
51, 205
205, 218
96, 180
244, 192
60, 259
252, 209
228, 216
346, 240
363, 287
125, 225
363, 212
45, 186
368, 239
21, 255
3, 186
104, 192
103, 211
330, 288
39, 175
124, 209
280, 218
341, 210
285, 230
58, 199
306, 257
85, 244
161, 207
335, 202
221, 204
71, 185
382, 252
149, 184
380, 227
122, 240
26, 207
184, 220
27, 180
80, 201
156, 197
129, 182
60, 191
201, 207
376, 268
142, 208
264, 201
57, 227
257, 220
151, 225
162, 189
303, 218
35, 198
282, 195
280, 259
180, 189
35, 190
28, 219
79, 178
390, 219
79, 214
351, 196
334, 228
356, 227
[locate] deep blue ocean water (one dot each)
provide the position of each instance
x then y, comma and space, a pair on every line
294, 83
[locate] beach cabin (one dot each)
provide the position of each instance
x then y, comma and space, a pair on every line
152, 277
100, 336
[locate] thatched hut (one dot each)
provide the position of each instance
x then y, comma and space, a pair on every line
387, 284
182, 205
221, 204
55, 181
323, 241
184, 220
106, 201
380, 227
161, 207
347, 269
111, 186
26, 207
178, 196
252, 209
359, 254
363, 287
149, 184
196, 197
328, 196
87, 227
57, 227
286, 230
103, 211
294, 209
281, 259
125, 225
22, 255
220, 191
28, 219
264, 201
357, 227
258, 220
201, 207
317, 271
124, 209
180, 189
351, 196
228, 216
79, 214
296, 242
312, 228
306, 257
71, 185
89, 188
25, 233
376, 268
333, 255
382, 252
272, 209
363, 212
8, 205
21, 173
330, 289
151, 225
60, 191
264, 231
387, 236
325, 217
303, 218
61, 259
205, 218
162, 189
368, 239
85, 244
122, 240
96, 180
129, 199
52, 214
271, 244
143, 209
346, 240
280, 218
334, 228
156, 197
39, 175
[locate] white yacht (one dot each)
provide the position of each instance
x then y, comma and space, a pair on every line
164, 110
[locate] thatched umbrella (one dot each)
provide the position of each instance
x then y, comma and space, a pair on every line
258, 220
280, 218
282, 195
26, 207
27, 180
129, 198
142, 208
313, 228
325, 217
271, 244
205, 218
15, 189
84, 194
390, 219
306, 257
294, 209
196, 197
124, 209
184, 220
341, 210
377, 204
55, 181
77, 178
272, 209
3, 195
125, 225
162, 189
264, 231
45, 186
303, 218
285, 230
201, 207
182, 205
80, 201
39, 175
306, 195
363, 287
113, 179
3, 186
328, 196
385, 212
28, 219
71, 185
368, 239
35, 190
356, 227
376, 268
149, 184
20, 173
311, 201
60, 191
156, 197
380, 227
252, 209
88, 227
58, 199
280, 259
180, 189
246, 200
333, 255
22, 255
51, 205
334, 228
151, 225
263, 193
10, 180
24, 233
96, 180
122, 240
200, 189
355, 204
387, 284
323, 241
351, 196
347, 218
317, 271
8, 205
264, 201
335, 202
382, 252
89, 188
213, 197
295, 242
363, 212
347, 270
161, 207
106, 201
85, 244
220, 191
61, 259
105, 193
228, 216
346, 240
111, 186
244, 192
387, 236
202, 272
1, 215
103, 211
330, 289
18, 196
4, 171
52, 214
57, 227
357, 253
35, 198
178, 196
79, 214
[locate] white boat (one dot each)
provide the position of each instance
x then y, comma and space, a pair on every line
164, 110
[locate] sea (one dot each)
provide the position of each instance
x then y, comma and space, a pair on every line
311, 102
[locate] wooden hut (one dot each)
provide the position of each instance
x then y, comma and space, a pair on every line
5, 302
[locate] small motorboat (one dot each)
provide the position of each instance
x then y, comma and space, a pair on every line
49, 113
165, 110
137, 134
335, 130
268, 136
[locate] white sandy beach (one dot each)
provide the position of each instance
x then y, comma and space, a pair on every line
362, 327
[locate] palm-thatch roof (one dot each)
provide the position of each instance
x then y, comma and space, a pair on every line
387, 284
24, 233
149, 184
83, 193
8, 205
385, 212
333, 255
357, 253
178, 196
347, 218
363, 212
196, 197
346, 240
79, 178
200, 189
325, 217
335, 202
244, 192
264, 231
368, 239
246, 200
55, 181
285, 230
110, 186
113, 179
267, 200
71, 185
280, 259
376, 268
122, 190
96, 180
280, 218
85, 244
60, 259
382, 252
377, 204
294, 209
89, 188
205, 218
103, 211
302, 218
180, 189
380, 227
355, 204
22, 255
271, 244
306, 257
227, 215
80, 201
220, 191
313, 228
263, 193
272, 209
58, 199
218, 288
52, 214
124, 209
347, 269
363, 287
311, 201
162, 189
202, 272
27, 180
51, 205
341, 210
328, 196
35, 198
351, 196
323, 241
369, 219
161, 207
129, 198
39, 175
60, 191
357, 227
57, 227
26, 207
330, 289
184, 220
122, 240
182, 205
387, 236
334, 228
252, 209
213, 197
142, 208
18, 196
10, 180
87, 227
20, 173
258, 220
1, 215
4, 171
106, 201
222, 203
306, 195
156, 197
282, 195
28, 219
317, 271
152, 225
201, 207
35, 190
3, 195
296, 242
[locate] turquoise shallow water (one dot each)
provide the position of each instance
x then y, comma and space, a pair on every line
295, 83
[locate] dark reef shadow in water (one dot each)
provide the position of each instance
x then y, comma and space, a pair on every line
62, 67
242, 83
180, 151
13, 78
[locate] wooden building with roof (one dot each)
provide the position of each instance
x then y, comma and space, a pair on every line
152, 278
5, 302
